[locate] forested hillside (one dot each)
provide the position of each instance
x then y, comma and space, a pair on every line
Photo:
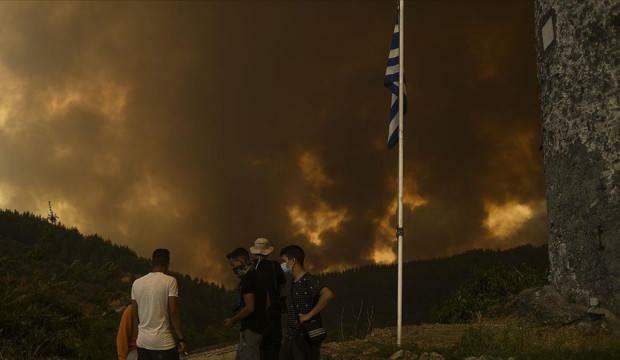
433, 290
61, 291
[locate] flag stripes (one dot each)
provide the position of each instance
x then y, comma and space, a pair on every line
390, 81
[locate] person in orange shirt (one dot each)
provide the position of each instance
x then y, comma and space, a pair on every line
126, 336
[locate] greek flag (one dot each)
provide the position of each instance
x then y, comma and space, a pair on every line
390, 81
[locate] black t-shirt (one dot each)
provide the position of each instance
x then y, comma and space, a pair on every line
303, 296
271, 277
250, 285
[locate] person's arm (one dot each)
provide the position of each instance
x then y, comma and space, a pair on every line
325, 296
124, 331
174, 312
245, 311
174, 309
134, 305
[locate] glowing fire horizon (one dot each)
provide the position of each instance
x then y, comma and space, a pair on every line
504, 220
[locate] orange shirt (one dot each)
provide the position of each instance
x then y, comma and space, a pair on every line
125, 338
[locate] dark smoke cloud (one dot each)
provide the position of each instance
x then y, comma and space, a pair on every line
185, 124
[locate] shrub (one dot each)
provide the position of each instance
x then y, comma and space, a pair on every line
485, 289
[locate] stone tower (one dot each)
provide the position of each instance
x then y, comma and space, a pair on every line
578, 56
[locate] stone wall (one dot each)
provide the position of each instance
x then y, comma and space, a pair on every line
578, 68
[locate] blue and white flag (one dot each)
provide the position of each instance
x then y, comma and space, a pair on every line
390, 81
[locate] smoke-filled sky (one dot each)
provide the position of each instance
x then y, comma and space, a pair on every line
201, 126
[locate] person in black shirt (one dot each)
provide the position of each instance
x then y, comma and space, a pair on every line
306, 298
271, 277
251, 307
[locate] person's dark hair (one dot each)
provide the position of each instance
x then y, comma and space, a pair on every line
238, 253
161, 257
294, 252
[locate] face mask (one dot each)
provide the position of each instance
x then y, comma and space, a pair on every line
287, 269
241, 270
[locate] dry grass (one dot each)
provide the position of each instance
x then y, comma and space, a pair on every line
499, 338
431, 336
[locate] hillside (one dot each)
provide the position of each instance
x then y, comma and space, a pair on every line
429, 285
61, 291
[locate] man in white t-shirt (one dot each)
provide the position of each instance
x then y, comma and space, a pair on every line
156, 298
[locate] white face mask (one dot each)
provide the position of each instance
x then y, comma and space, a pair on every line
286, 268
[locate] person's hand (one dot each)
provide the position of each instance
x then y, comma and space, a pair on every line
228, 322
182, 346
304, 317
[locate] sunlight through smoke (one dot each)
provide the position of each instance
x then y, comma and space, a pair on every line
312, 170
314, 223
383, 253
10, 97
506, 219
107, 97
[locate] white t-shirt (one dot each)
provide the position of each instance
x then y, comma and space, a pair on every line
151, 293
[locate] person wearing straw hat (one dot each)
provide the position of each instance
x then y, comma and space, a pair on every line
261, 248
270, 276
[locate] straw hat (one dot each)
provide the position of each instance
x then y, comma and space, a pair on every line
261, 247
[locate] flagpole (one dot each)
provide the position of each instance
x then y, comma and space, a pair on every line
400, 232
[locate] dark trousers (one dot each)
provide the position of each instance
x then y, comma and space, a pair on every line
272, 339
145, 354
298, 348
